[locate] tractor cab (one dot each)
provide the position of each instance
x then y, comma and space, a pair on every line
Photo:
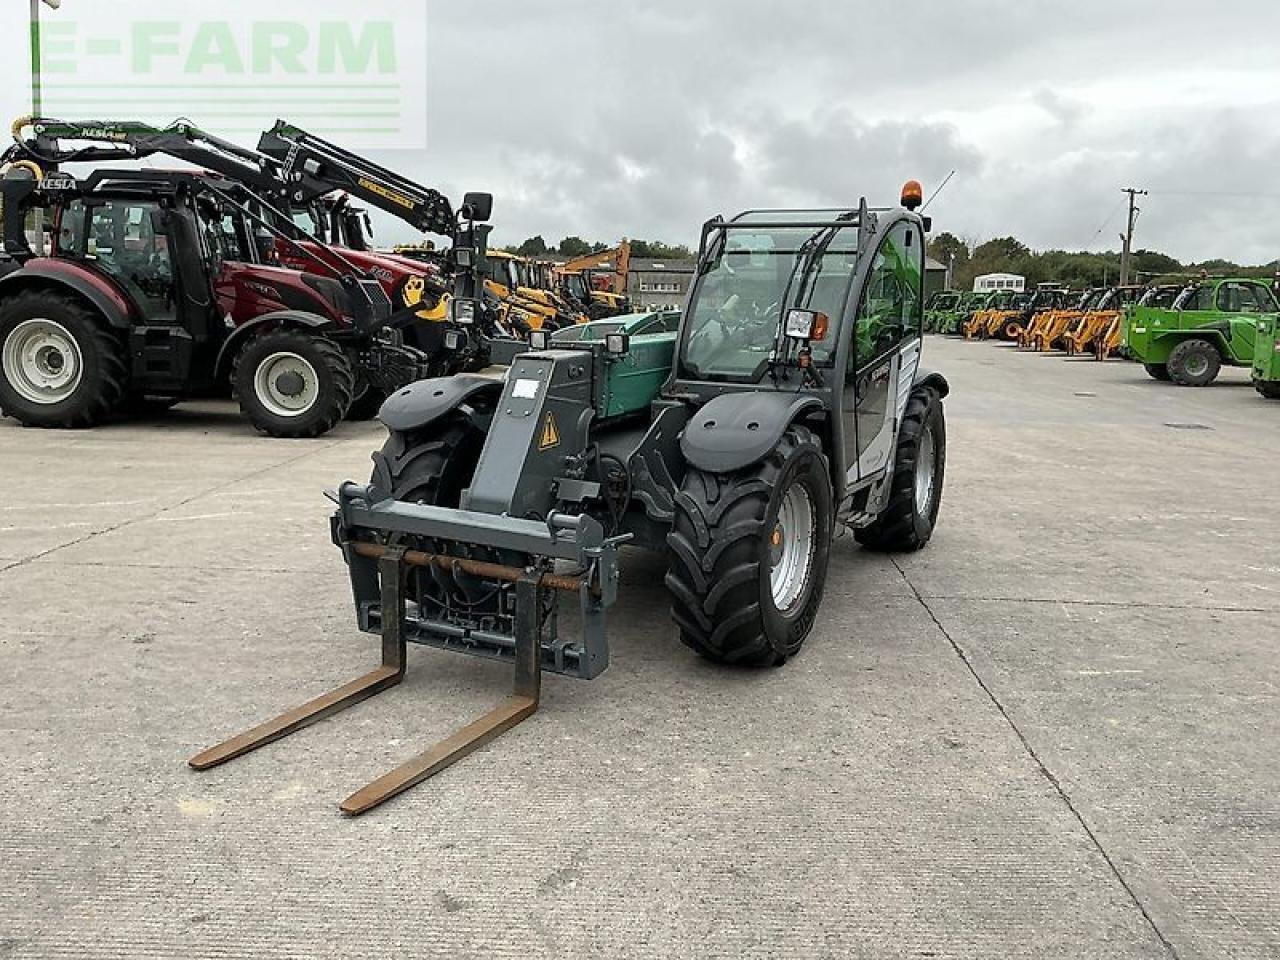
151, 245
1160, 297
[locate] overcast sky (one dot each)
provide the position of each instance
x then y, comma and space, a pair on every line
644, 118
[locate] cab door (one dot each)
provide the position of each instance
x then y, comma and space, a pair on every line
1243, 304
882, 359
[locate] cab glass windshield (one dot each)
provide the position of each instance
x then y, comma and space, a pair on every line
738, 304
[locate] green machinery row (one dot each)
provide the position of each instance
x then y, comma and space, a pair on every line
1181, 333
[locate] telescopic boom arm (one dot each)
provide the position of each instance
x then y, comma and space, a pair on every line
111, 141
305, 157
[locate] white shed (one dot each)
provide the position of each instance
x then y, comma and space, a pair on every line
999, 281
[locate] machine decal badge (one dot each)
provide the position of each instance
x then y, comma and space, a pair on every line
414, 288
382, 191
525, 389
58, 181
550, 433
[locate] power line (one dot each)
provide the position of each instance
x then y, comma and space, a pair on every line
1246, 194
1110, 216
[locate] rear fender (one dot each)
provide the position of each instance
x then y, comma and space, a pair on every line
737, 430
281, 319
67, 278
427, 401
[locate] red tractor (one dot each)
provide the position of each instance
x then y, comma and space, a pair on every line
306, 199
152, 284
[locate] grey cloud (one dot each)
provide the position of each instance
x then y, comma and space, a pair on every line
1064, 110
647, 116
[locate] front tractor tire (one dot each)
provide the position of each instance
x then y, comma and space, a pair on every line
293, 383
748, 554
1194, 363
366, 406
1268, 389
919, 468
432, 467
60, 365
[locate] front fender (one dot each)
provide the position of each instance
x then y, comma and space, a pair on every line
284, 319
736, 430
932, 379
426, 401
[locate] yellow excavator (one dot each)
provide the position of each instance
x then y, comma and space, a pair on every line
525, 303
600, 280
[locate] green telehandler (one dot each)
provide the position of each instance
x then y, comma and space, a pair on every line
939, 306
790, 402
1212, 323
952, 321
1266, 358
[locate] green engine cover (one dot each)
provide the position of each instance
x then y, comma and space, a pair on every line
632, 382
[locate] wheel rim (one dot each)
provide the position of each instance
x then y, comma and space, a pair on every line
287, 384
925, 461
1196, 365
42, 361
791, 544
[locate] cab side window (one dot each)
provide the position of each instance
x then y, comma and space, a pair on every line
71, 232
1202, 299
891, 309
1245, 298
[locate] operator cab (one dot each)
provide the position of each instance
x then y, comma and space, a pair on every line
827, 302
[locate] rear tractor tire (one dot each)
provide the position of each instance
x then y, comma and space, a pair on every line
291, 383
919, 469
1194, 363
1157, 371
748, 554
60, 365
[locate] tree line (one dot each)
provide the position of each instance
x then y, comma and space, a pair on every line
1080, 268
577, 247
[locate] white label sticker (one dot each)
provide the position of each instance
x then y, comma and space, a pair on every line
526, 390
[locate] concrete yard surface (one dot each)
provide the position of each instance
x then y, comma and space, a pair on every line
1052, 733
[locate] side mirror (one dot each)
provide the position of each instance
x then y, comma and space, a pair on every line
477, 206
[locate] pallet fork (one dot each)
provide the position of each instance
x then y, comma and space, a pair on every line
393, 564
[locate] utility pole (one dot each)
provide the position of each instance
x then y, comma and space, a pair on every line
37, 98
1126, 253
37, 105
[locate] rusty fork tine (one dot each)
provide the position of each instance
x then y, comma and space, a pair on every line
388, 675
522, 704
442, 755
299, 717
